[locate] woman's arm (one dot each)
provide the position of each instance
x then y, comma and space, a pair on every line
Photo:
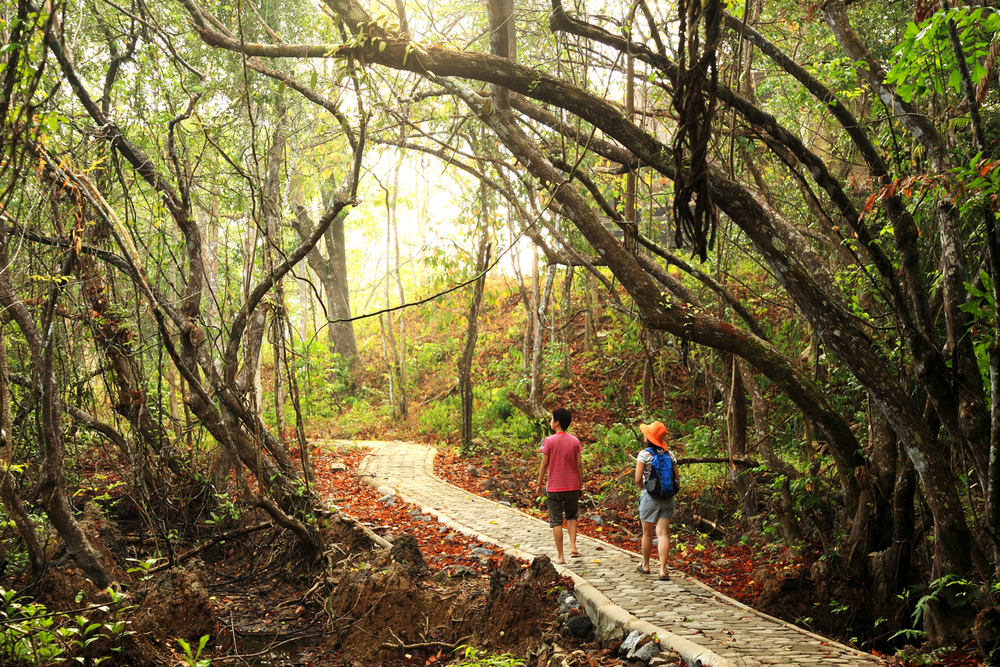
639, 467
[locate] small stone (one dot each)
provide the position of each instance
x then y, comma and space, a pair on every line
645, 652
385, 491
414, 512
597, 519
479, 551
579, 626
337, 466
442, 528
504, 503
472, 470
568, 601
427, 518
608, 633
630, 642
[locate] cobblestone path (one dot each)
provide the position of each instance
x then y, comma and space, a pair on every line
682, 606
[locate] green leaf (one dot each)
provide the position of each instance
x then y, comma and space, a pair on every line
955, 80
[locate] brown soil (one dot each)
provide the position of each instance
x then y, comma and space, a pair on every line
410, 604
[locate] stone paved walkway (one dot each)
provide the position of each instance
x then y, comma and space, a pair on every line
682, 606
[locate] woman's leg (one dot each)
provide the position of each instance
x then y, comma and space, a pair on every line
648, 529
663, 543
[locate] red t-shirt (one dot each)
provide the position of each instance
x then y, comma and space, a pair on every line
562, 449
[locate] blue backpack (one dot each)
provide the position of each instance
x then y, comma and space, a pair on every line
662, 482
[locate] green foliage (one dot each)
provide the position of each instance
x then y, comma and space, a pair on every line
925, 56
957, 590
11, 546
517, 434
193, 656
473, 657
144, 566
615, 445
28, 633
31, 636
442, 418
704, 441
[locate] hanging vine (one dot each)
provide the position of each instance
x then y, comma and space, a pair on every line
694, 101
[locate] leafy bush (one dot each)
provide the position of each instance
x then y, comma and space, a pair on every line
616, 445
704, 441
472, 657
30, 635
442, 418
518, 434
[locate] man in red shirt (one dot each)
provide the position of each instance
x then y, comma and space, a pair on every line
562, 457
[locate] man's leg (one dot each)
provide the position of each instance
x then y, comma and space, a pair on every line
555, 505
557, 534
572, 508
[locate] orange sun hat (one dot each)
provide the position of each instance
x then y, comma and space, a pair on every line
655, 433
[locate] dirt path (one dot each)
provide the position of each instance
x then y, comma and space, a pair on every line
688, 616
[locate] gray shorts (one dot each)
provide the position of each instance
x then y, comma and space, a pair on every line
652, 509
559, 501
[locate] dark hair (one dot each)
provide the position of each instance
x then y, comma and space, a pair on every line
563, 416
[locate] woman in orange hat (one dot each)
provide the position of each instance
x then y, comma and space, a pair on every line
654, 513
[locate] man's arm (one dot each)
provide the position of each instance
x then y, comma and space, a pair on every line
541, 473
579, 466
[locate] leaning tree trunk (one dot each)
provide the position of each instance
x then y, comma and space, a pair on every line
330, 269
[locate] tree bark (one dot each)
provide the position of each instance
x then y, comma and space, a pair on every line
471, 332
8, 492
736, 435
52, 478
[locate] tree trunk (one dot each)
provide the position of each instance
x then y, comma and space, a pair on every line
330, 269
538, 346
8, 492
589, 331
52, 480
271, 211
465, 363
565, 331
736, 435
534, 297
784, 507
